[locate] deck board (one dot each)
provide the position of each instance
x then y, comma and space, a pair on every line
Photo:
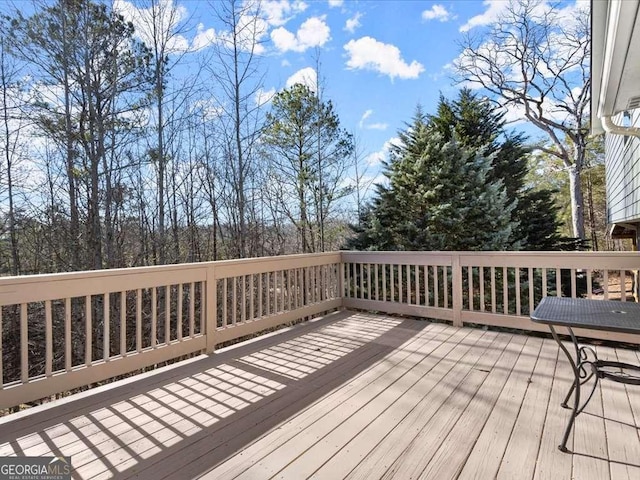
450, 457
356, 435
488, 451
403, 414
330, 412
355, 395
419, 452
622, 453
391, 447
552, 463
520, 457
590, 440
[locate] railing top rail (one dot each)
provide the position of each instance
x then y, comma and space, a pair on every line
25, 280
579, 260
494, 253
442, 257
417, 258
232, 268
592, 261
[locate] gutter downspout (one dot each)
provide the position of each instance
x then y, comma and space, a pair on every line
610, 127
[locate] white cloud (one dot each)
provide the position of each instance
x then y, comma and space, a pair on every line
365, 115
314, 32
551, 108
380, 179
168, 16
264, 96
208, 109
393, 141
204, 37
283, 39
375, 158
285, 63
250, 30
367, 53
365, 183
437, 12
381, 155
376, 126
568, 15
165, 16
353, 23
371, 126
279, 12
495, 8
335, 3
306, 76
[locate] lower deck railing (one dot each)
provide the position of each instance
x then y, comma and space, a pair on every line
63, 331
485, 288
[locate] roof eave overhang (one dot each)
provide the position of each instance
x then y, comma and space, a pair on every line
615, 59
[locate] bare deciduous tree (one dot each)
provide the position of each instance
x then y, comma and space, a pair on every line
11, 145
534, 59
161, 27
234, 66
361, 180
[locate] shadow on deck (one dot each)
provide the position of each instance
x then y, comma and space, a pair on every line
352, 395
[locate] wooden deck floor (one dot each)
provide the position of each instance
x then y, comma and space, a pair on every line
356, 396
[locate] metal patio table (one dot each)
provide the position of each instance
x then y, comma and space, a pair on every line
613, 316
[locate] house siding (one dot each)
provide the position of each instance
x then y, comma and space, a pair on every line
622, 160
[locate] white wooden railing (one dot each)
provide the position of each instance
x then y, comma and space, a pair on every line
484, 288
64, 331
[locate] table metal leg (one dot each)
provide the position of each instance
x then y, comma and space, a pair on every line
581, 359
580, 377
575, 387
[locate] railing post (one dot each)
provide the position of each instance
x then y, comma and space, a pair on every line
212, 308
341, 280
456, 280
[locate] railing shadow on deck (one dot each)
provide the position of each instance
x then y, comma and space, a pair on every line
189, 418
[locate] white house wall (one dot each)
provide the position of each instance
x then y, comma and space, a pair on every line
622, 157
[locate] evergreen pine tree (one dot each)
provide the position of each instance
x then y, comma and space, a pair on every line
476, 124
439, 197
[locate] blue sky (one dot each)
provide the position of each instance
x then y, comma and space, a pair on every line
379, 59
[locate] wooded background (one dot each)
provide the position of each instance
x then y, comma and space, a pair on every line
118, 149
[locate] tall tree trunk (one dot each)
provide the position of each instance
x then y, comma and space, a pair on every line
94, 141
302, 228
74, 223
577, 211
240, 193
575, 186
108, 214
8, 150
161, 162
175, 226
